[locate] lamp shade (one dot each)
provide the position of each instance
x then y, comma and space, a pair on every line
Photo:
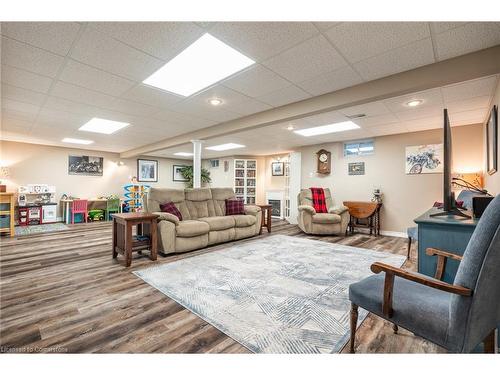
475, 179
4, 172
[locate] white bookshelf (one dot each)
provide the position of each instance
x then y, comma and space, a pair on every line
245, 179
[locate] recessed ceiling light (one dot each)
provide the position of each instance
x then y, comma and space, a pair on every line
203, 63
99, 125
215, 101
326, 129
77, 141
183, 154
414, 103
290, 127
224, 147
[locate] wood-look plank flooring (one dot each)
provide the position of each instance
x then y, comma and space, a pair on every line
62, 292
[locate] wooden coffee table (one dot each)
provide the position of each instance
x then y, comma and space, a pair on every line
123, 241
266, 217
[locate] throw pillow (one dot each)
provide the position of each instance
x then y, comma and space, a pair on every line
170, 208
235, 206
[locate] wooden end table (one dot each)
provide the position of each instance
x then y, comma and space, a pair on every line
266, 210
364, 215
123, 241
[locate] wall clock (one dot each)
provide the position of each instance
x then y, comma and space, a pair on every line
324, 161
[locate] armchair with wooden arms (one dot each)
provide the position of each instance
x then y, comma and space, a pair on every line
455, 316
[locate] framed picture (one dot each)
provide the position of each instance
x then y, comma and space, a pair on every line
278, 168
492, 141
85, 165
356, 169
147, 170
424, 159
177, 176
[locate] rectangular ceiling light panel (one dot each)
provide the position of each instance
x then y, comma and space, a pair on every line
326, 129
183, 154
203, 63
99, 125
224, 147
77, 141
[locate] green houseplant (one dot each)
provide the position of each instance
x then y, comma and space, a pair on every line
187, 173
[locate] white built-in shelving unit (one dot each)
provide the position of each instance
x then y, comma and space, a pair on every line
245, 179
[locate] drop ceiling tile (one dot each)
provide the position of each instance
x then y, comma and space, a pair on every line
369, 109
397, 60
35, 60
101, 51
81, 94
325, 118
306, 60
420, 112
469, 89
431, 98
21, 117
22, 95
388, 129
331, 81
427, 123
26, 80
249, 107
469, 104
475, 116
56, 117
182, 119
256, 81
261, 40
131, 108
94, 79
60, 104
150, 95
376, 121
439, 27
56, 37
468, 38
13, 105
360, 40
163, 40
11, 128
284, 96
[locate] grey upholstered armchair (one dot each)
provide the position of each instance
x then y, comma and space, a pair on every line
456, 316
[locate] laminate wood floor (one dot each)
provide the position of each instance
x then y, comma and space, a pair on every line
62, 292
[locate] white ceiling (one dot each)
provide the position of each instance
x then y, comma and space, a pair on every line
56, 76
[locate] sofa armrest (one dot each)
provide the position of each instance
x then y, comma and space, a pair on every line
251, 209
338, 210
166, 216
306, 208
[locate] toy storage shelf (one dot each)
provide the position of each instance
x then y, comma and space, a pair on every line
7, 203
245, 179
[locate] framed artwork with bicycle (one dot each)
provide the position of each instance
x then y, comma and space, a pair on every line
424, 159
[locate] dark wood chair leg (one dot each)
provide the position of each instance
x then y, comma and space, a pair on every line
395, 328
409, 248
490, 342
354, 323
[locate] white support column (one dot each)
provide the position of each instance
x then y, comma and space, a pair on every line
197, 163
294, 184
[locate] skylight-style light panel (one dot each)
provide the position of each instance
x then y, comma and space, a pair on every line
103, 126
77, 141
183, 154
203, 63
224, 147
326, 129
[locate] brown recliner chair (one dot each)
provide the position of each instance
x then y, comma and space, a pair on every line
334, 222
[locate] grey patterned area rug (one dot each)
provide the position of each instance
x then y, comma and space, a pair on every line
279, 294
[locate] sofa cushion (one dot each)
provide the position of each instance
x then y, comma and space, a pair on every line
218, 222
242, 221
326, 218
170, 208
191, 228
197, 195
235, 207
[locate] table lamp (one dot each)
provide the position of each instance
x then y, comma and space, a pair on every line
4, 174
469, 181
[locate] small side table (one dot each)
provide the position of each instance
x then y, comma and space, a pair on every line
364, 215
266, 217
123, 241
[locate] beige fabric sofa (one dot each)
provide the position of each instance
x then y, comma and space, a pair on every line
333, 222
203, 218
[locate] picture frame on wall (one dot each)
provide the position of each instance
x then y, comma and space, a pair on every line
278, 168
424, 159
85, 165
356, 169
176, 174
147, 170
492, 141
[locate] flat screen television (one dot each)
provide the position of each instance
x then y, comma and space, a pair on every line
449, 205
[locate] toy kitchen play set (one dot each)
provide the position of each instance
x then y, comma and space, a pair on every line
36, 204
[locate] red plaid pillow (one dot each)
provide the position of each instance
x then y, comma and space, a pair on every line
235, 206
170, 208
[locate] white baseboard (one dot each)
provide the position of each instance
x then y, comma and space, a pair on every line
384, 232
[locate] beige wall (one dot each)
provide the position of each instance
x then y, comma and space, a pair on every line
405, 196
274, 182
32, 164
492, 183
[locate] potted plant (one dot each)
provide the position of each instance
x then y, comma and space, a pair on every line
187, 173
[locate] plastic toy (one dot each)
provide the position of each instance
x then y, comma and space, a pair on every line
96, 215
134, 193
